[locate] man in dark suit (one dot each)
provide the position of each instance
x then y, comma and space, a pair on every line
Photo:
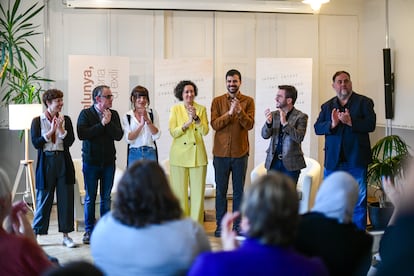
98, 127
286, 127
346, 121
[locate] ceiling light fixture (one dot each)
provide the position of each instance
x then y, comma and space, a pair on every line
315, 4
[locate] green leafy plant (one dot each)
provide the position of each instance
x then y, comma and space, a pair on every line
388, 159
21, 82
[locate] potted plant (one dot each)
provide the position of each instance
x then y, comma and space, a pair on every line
19, 72
388, 157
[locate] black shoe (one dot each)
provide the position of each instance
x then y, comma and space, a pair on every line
86, 238
217, 233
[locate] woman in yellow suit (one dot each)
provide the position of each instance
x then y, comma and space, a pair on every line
188, 159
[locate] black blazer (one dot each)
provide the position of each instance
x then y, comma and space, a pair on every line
38, 142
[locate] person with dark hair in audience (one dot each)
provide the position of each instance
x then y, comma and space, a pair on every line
98, 127
328, 232
141, 127
188, 125
397, 243
19, 251
269, 216
145, 233
52, 135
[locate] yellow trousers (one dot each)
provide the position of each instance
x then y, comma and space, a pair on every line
180, 179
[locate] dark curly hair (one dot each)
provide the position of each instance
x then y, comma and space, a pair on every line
144, 196
50, 95
271, 206
179, 89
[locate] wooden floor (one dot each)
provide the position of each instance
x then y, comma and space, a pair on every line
52, 243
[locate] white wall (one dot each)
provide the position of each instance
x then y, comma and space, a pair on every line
347, 34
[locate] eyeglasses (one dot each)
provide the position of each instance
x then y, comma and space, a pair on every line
108, 97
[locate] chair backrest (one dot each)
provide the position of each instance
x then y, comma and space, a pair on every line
311, 173
308, 183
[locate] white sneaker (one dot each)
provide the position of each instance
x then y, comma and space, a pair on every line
68, 242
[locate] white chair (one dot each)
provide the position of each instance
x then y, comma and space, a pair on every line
308, 183
210, 192
79, 192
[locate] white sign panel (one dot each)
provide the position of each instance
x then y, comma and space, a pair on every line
270, 73
87, 72
168, 73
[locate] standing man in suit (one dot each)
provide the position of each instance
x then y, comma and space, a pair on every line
286, 127
346, 121
98, 127
232, 116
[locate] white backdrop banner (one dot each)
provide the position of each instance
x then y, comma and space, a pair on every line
270, 73
168, 73
87, 72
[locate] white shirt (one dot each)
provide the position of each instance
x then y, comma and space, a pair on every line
45, 126
144, 138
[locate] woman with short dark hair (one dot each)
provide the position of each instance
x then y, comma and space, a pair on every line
52, 136
145, 233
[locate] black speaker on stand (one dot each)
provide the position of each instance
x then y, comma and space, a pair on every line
388, 84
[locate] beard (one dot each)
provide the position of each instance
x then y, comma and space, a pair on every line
232, 89
343, 94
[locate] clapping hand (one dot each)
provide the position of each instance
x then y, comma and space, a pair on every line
345, 117
19, 223
268, 115
228, 236
283, 115
192, 113
335, 117
106, 117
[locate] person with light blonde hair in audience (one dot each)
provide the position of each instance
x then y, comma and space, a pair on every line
269, 216
328, 232
19, 251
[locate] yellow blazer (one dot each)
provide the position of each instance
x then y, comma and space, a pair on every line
188, 149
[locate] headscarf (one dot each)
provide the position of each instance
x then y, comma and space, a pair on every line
337, 197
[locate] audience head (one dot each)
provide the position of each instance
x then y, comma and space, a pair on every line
179, 89
337, 196
5, 195
79, 268
144, 196
51, 94
139, 91
270, 209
